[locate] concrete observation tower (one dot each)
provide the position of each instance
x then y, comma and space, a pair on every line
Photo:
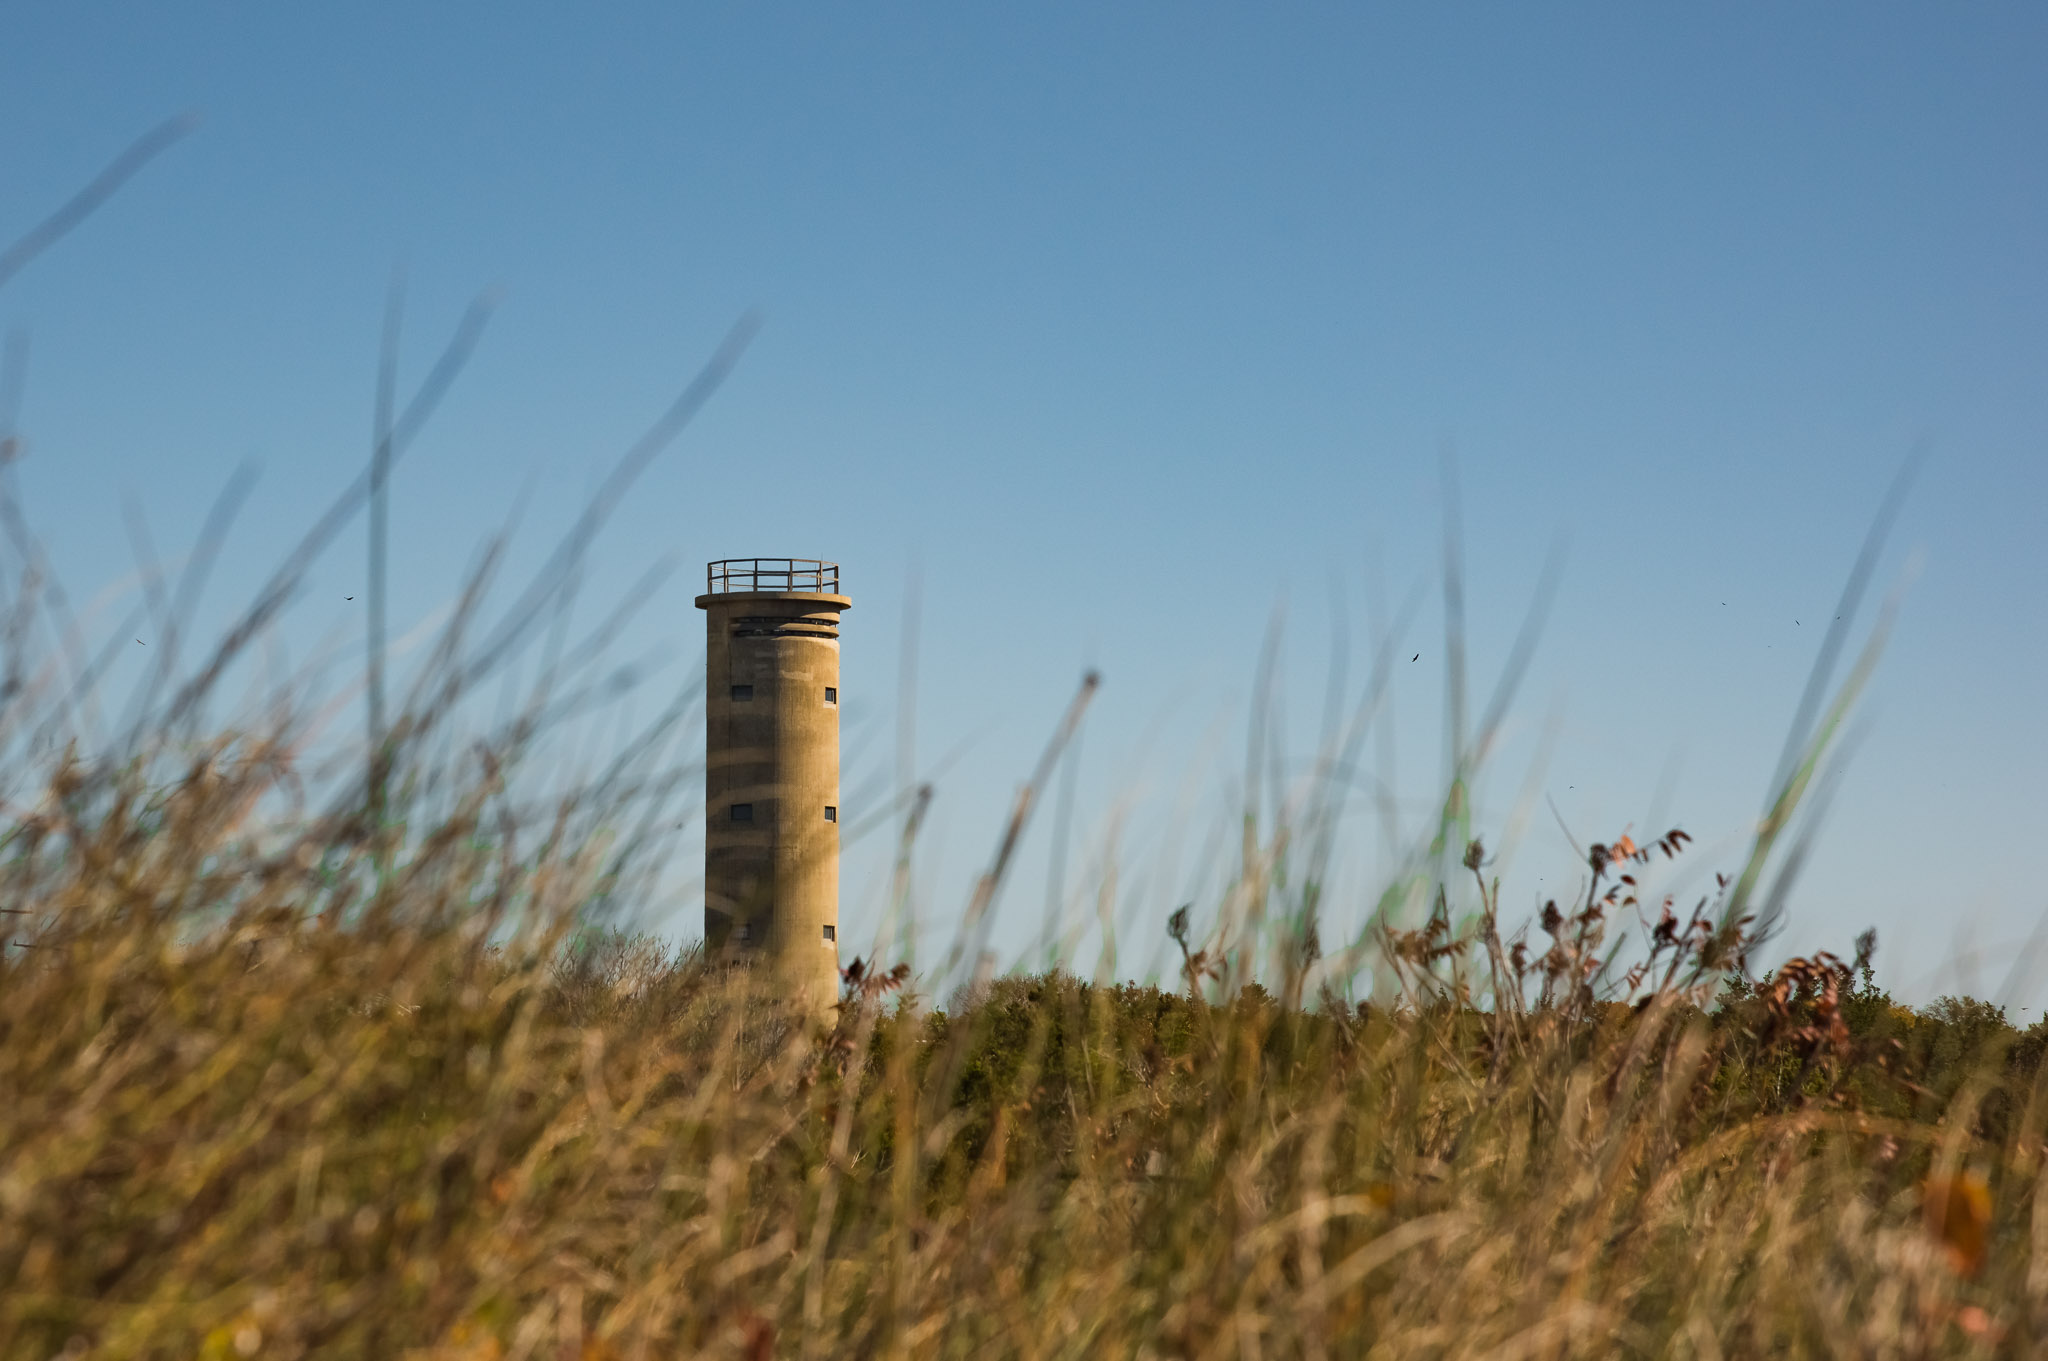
771, 775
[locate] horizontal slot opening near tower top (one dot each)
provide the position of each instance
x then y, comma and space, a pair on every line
757, 626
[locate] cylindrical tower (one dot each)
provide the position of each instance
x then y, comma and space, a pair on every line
771, 781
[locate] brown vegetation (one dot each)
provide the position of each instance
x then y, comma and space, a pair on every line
261, 1102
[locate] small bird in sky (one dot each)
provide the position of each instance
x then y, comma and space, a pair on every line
351, 597
140, 641
1416, 658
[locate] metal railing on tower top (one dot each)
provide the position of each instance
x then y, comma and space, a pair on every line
730, 576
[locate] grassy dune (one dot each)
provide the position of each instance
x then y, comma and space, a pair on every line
291, 1095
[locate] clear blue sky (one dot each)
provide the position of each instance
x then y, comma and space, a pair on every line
1122, 327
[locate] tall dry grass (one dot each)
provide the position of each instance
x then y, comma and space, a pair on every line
267, 1096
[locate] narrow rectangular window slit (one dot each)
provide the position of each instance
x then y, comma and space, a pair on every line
831, 934
831, 813
743, 692
743, 812
831, 694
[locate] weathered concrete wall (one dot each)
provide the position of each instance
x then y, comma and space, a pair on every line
771, 877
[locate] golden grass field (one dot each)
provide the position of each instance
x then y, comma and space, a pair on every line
264, 1096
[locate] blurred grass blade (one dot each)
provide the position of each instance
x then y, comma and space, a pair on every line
102, 187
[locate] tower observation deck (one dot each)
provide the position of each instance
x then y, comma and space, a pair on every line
771, 774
